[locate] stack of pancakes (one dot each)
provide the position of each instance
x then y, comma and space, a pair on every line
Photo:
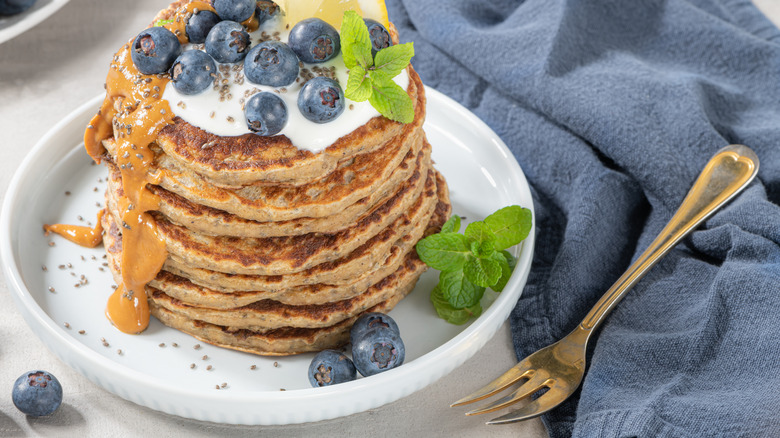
276, 250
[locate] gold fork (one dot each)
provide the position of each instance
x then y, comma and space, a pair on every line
559, 368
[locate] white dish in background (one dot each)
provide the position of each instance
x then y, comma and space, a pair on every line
482, 176
13, 25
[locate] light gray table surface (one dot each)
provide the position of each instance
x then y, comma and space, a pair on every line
45, 74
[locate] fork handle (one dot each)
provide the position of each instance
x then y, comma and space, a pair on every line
728, 172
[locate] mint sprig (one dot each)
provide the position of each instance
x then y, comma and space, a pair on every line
371, 77
473, 261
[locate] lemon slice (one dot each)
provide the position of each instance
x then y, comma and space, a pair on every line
332, 11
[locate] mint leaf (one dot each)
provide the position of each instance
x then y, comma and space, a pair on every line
510, 225
445, 252
479, 231
391, 100
160, 23
482, 272
452, 225
473, 261
355, 41
483, 240
482, 249
358, 85
392, 60
506, 269
510, 259
451, 314
458, 290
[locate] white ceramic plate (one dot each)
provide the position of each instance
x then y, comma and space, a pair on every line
11, 26
150, 371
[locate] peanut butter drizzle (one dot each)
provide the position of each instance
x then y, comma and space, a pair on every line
134, 113
84, 236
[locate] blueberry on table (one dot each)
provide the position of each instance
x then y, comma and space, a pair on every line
380, 37
330, 367
378, 350
367, 321
154, 50
265, 10
192, 72
227, 41
321, 100
234, 10
271, 63
266, 114
314, 40
199, 25
37, 393
13, 7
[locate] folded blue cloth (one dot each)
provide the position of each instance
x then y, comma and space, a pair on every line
612, 108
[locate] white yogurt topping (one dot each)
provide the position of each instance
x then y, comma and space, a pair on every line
219, 109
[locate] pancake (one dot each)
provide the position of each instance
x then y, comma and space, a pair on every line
217, 222
283, 341
284, 255
243, 160
366, 258
180, 288
184, 290
270, 314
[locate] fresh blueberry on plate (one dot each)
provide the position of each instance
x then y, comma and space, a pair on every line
380, 37
330, 367
13, 7
378, 350
234, 10
321, 100
37, 393
271, 63
314, 40
192, 72
199, 25
266, 114
227, 41
367, 321
154, 50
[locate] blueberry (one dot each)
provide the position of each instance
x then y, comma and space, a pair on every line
321, 100
378, 350
234, 10
192, 72
271, 63
266, 114
199, 25
13, 7
367, 321
314, 40
265, 10
154, 50
380, 37
227, 41
330, 367
37, 393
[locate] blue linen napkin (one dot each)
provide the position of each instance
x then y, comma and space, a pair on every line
612, 108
